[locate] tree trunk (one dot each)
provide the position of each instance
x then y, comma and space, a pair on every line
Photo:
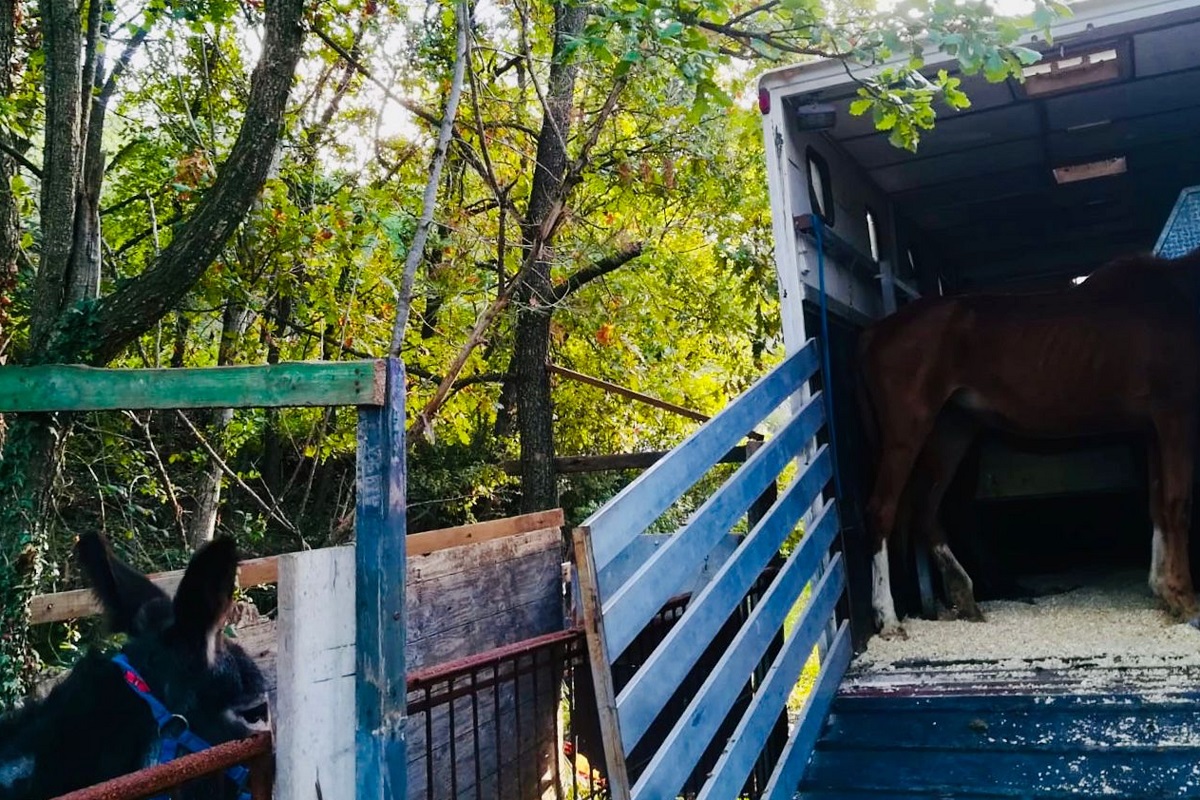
10, 231
97, 332
203, 522
535, 412
62, 29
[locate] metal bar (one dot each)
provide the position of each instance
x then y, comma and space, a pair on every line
152, 780
428, 744
440, 672
475, 735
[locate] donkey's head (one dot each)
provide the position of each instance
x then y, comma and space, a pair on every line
178, 685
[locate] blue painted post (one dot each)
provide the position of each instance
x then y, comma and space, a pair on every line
379, 577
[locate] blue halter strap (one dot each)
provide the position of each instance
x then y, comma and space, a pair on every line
173, 731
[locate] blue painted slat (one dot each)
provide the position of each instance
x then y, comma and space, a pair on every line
1167, 772
694, 730
641, 548
645, 499
643, 697
379, 584
626, 562
1046, 729
729, 773
789, 769
666, 572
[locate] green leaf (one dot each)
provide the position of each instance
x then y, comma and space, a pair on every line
861, 106
1026, 55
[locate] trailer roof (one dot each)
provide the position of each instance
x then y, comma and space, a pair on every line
983, 185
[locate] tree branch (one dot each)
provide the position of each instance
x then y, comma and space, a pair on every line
272, 510
133, 308
19, 157
428, 116
597, 270
416, 248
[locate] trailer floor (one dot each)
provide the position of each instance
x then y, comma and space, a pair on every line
1089, 691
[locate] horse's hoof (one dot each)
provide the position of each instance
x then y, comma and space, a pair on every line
1195, 622
894, 631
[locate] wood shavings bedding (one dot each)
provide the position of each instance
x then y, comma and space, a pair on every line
1110, 619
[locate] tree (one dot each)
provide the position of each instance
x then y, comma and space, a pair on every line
69, 319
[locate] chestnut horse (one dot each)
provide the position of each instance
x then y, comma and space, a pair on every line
1118, 353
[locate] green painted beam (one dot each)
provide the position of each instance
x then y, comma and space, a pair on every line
55, 387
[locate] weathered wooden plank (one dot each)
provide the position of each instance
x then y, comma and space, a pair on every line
442, 538
315, 734
641, 502
789, 769
487, 631
57, 387
770, 696
691, 734
643, 697
667, 572
380, 573
78, 603
442, 565
606, 701
438, 605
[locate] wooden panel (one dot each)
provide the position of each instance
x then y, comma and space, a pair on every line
429, 541
77, 603
771, 695
379, 578
641, 502
690, 736
642, 698
667, 571
314, 738
803, 738
482, 596
302, 383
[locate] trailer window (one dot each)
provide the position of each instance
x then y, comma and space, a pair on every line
820, 190
873, 235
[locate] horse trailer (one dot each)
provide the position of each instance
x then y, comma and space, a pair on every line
1075, 684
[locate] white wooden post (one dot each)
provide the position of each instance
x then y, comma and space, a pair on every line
315, 708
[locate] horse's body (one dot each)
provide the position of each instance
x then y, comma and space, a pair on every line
1119, 353
93, 726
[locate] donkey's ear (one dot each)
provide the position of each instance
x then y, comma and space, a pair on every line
126, 595
206, 592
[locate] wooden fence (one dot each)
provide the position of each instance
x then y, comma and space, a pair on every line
623, 587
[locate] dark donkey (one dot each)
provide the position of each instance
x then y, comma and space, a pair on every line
1117, 354
178, 684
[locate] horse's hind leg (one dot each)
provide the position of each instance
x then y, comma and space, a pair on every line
947, 447
1176, 438
900, 446
1158, 550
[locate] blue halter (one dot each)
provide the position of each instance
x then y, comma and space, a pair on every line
173, 731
